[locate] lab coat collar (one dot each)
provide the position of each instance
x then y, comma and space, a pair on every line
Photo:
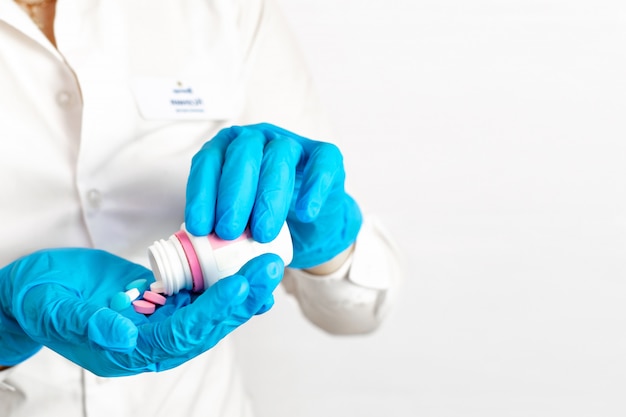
13, 15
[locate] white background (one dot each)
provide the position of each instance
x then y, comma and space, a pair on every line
490, 137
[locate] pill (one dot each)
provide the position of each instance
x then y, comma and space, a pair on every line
141, 284
154, 298
133, 294
120, 301
143, 307
157, 286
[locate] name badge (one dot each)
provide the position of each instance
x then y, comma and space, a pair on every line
182, 99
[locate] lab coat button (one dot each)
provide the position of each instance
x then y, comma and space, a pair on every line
94, 197
64, 99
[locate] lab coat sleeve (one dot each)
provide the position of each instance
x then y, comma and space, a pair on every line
355, 298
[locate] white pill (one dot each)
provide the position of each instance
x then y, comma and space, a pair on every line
157, 286
133, 294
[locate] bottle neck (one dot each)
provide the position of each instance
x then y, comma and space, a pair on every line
169, 265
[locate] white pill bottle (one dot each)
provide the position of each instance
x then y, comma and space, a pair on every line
194, 263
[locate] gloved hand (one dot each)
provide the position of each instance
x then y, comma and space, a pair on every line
59, 298
261, 175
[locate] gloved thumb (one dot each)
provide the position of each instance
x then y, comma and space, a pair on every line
112, 331
51, 313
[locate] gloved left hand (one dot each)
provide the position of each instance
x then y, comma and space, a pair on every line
260, 176
59, 298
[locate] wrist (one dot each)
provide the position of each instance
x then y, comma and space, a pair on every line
333, 264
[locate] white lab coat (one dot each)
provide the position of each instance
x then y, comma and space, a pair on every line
94, 153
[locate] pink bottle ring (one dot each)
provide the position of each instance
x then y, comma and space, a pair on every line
192, 260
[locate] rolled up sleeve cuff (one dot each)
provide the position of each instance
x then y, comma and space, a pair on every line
355, 298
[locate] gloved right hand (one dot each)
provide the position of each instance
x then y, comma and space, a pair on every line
261, 175
59, 298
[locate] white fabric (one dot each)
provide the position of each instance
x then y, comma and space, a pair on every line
355, 298
84, 163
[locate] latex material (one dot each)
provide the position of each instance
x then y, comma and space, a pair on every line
261, 175
59, 298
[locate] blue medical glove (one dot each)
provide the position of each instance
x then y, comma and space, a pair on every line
262, 175
59, 298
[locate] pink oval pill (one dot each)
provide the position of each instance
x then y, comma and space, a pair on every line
154, 298
143, 307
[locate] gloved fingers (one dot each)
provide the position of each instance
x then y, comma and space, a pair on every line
239, 178
194, 328
53, 314
203, 182
276, 187
112, 331
263, 273
323, 172
239, 182
221, 330
267, 305
214, 314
